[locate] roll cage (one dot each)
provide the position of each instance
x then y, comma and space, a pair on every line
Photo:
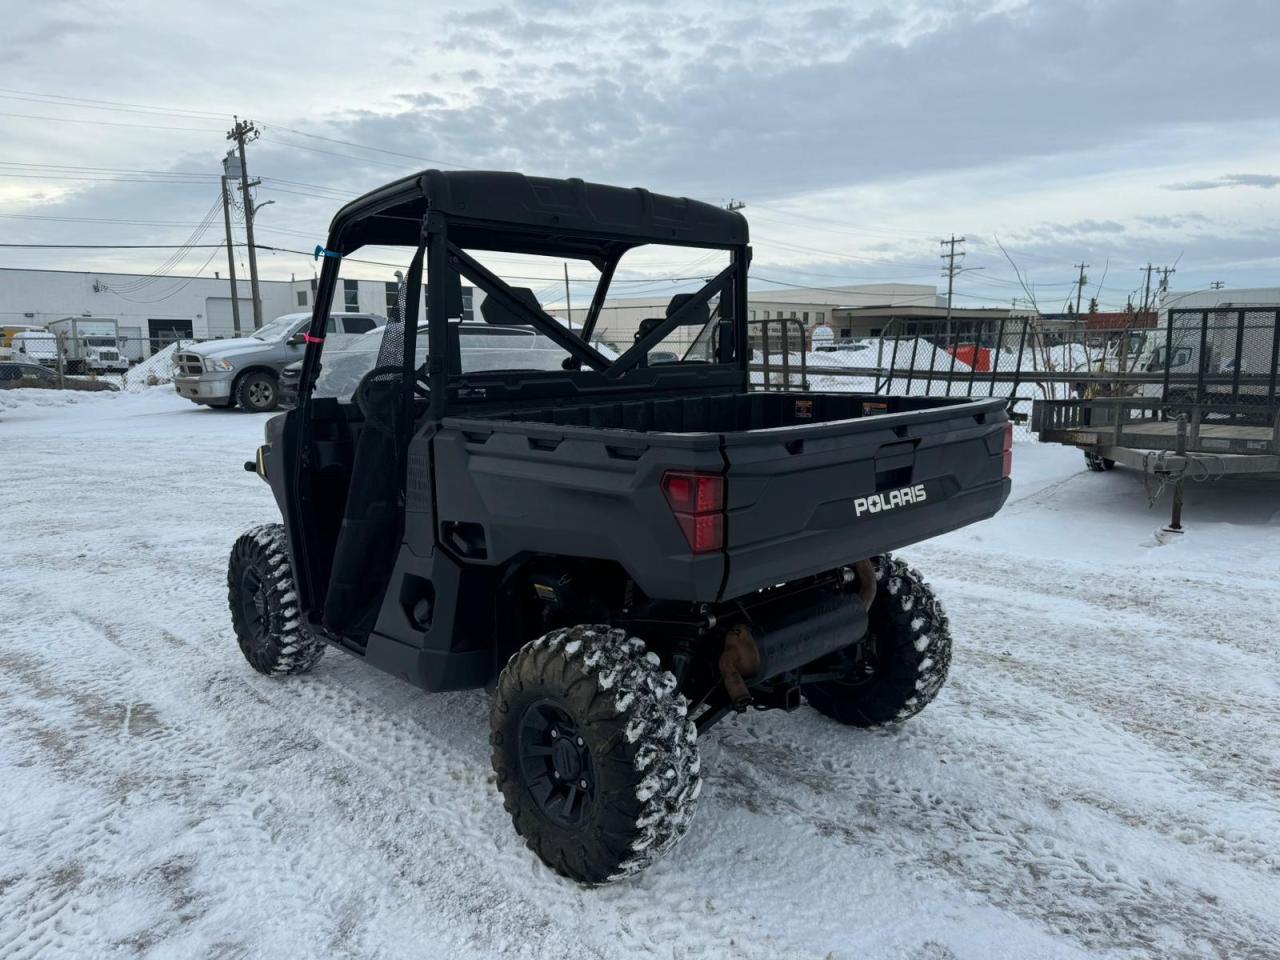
447, 215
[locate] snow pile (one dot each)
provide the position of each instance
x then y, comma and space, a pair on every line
913, 361
157, 368
42, 398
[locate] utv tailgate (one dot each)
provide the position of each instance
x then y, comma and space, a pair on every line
803, 499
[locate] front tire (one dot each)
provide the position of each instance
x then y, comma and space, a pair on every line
595, 755
257, 392
909, 647
264, 605
1098, 463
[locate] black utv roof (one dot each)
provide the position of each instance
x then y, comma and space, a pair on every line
535, 215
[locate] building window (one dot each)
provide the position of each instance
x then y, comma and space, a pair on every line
302, 298
875, 331
819, 316
805, 318
468, 303
793, 314
351, 296
846, 333
753, 315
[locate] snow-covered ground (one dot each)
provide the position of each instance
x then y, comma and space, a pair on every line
1101, 776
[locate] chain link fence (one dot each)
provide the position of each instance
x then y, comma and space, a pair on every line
127, 363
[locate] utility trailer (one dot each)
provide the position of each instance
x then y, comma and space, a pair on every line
627, 550
1201, 400
1170, 441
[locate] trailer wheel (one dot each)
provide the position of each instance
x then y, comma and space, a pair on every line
264, 605
595, 755
257, 392
1098, 463
905, 659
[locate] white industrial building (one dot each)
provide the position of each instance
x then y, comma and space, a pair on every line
151, 311
809, 306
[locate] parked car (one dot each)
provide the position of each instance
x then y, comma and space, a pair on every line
627, 552
480, 346
245, 371
15, 374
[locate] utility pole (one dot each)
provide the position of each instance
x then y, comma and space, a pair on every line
950, 272
244, 131
734, 205
1165, 274
1217, 285
1080, 285
1146, 290
231, 258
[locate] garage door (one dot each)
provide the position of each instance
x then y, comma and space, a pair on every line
218, 318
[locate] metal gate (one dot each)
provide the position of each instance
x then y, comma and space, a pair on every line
1221, 357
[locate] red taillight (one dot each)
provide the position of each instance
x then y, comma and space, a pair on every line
693, 492
705, 534
1007, 466
697, 500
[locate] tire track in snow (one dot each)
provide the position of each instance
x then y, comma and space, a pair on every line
244, 812
1010, 861
448, 789
1147, 684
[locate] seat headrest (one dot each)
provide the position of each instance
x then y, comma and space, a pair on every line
699, 317
496, 313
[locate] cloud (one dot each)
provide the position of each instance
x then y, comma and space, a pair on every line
1264, 180
948, 112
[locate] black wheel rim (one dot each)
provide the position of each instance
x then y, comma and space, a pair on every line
859, 663
253, 603
261, 393
555, 764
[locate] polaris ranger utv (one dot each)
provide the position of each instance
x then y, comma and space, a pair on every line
628, 550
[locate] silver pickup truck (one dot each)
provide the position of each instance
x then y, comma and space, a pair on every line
245, 371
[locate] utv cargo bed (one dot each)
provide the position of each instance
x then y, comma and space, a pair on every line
812, 481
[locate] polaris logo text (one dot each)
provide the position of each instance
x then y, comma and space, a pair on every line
902, 497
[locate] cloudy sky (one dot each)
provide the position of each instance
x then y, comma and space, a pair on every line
857, 133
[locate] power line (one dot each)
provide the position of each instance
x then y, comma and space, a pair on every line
111, 220
844, 256
178, 256
109, 123
77, 168
92, 104
362, 146
344, 156
108, 246
88, 179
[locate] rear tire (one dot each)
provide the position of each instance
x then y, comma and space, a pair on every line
1097, 463
264, 605
910, 654
257, 392
595, 755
